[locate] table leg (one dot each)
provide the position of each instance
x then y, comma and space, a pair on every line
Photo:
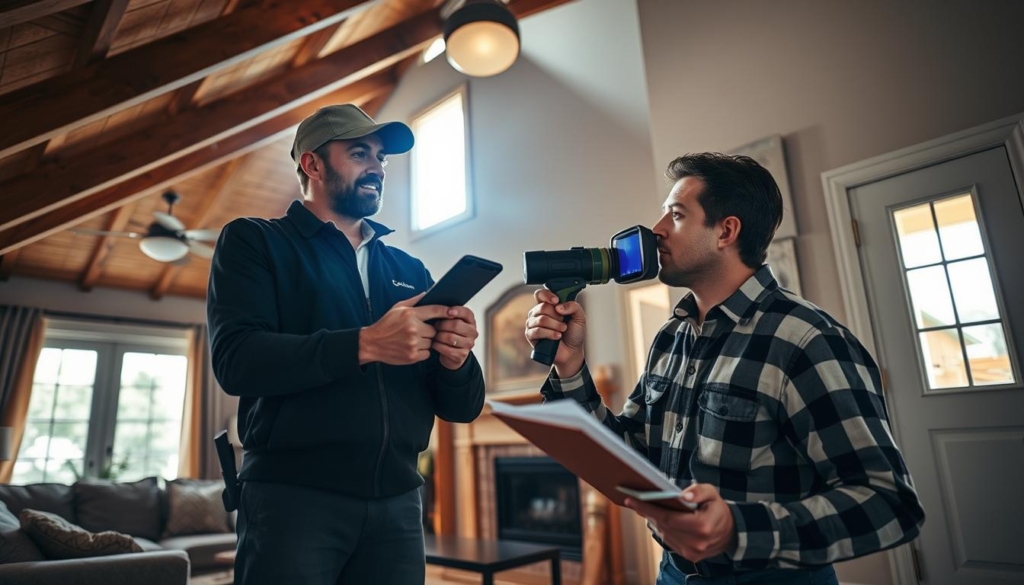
556, 571
488, 578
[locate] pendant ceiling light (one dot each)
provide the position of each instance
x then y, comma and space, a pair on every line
482, 38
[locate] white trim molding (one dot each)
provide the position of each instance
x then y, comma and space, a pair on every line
837, 183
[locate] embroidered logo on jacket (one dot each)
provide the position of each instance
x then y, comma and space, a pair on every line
400, 283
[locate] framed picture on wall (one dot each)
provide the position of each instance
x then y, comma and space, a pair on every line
769, 153
506, 351
782, 259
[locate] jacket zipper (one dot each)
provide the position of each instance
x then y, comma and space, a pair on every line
384, 413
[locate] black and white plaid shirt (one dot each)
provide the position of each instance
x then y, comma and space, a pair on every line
780, 407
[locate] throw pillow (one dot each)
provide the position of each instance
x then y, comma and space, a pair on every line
131, 508
194, 506
15, 545
60, 539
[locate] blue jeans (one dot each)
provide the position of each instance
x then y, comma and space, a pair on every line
671, 575
296, 535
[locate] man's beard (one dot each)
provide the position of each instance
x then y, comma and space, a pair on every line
347, 201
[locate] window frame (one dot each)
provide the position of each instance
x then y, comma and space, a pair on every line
470, 211
111, 342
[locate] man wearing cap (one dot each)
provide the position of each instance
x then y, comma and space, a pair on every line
339, 376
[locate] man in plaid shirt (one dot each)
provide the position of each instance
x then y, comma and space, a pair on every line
766, 409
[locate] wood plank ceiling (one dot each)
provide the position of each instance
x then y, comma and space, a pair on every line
106, 104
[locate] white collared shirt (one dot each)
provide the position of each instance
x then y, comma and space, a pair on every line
363, 256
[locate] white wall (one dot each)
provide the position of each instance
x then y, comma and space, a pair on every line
841, 81
561, 156
106, 302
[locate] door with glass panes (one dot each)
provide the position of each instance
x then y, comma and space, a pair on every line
942, 254
103, 409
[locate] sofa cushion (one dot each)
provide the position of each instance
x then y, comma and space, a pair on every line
201, 548
45, 497
60, 539
194, 506
15, 545
132, 508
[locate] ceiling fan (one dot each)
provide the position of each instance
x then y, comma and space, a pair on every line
166, 239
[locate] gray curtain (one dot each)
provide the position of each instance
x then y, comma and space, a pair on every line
16, 324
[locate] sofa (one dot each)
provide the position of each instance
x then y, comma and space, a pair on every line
179, 525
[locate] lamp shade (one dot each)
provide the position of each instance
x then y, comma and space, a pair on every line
482, 38
163, 248
6, 443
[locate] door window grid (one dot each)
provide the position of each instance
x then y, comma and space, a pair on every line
80, 418
961, 336
52, 448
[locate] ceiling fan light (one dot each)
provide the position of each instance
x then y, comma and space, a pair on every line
481, 38
163, 248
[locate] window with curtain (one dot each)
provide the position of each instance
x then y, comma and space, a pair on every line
107, 402
440, 165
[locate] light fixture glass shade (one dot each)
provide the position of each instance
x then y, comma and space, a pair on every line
163, 248
482, 38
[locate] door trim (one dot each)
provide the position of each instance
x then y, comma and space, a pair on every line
1007, 132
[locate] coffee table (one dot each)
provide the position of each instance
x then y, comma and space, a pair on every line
488, 557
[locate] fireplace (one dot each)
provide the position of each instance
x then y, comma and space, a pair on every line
538, 500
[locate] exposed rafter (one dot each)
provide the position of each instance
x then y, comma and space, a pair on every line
202, 217
104, 17
60, 182
14, 12
181, 168
184, 96
60, 104
93, 270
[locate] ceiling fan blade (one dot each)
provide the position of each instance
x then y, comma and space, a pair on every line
207, 235
86, 232
169, 221
201, 250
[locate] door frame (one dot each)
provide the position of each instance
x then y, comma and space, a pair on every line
1007, 132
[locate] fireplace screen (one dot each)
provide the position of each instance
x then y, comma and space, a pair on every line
538, 501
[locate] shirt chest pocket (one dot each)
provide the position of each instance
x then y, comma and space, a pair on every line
729, 429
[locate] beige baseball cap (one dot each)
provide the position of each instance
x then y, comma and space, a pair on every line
345, 122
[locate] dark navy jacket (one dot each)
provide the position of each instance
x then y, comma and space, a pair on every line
285, 306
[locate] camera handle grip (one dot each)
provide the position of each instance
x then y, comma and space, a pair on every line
567, 288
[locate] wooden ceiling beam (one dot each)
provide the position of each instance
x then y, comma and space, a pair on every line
214, 196
14, 12
93, 270
184, 96
60, 104
178, 169
59, 182
315, 43
99, 31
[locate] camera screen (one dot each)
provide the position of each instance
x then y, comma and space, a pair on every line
631, 260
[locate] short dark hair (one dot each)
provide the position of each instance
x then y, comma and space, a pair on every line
739, 186
320, 151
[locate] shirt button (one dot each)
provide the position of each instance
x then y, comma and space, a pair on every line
690, 370
723, 410
679, 426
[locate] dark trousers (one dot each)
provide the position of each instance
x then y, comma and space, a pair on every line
305, 536
671, 575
